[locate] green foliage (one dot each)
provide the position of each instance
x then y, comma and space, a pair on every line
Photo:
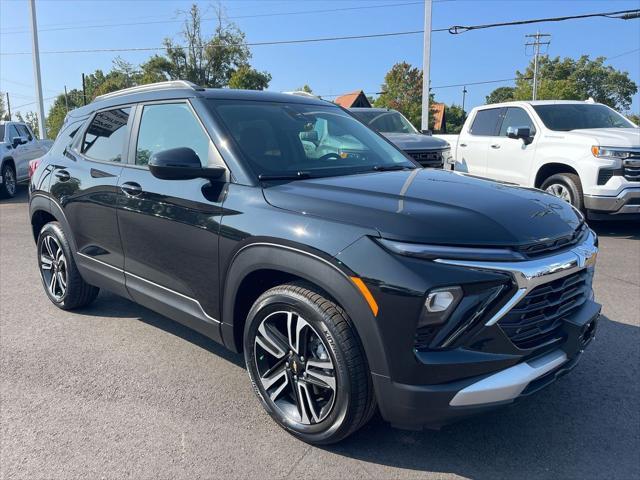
402, 91
304, 88
455, 118
570, 79
248, 78
500, 94
58, 111
635, 118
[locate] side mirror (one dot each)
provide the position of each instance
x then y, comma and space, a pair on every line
426, 132
181, 164
15, 141
520, 132
310, 136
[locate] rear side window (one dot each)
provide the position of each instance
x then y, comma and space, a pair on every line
486, 122
516, 117
167, 126
105, 137
65, 137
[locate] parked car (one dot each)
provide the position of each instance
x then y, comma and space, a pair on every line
427, 150
583, 152
19, 146
351, 281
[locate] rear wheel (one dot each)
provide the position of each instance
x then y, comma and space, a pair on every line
307, 365
9, 185
566, 186
60, 277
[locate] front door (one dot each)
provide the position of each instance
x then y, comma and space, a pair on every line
510, 159
473, 145
169, 228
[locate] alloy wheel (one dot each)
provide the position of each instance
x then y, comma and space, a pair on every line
10, 182
53, 266
560, 191
295, 368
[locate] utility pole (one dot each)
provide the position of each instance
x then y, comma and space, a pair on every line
84, 92
464, 96
66, 102
536, 53
36, 69
426, 64
8, 106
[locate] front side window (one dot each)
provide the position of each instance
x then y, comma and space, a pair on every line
486, 122
105, 138
168, 126
577, 116
516, 117
287, 138
24, 132
385, 122
13, 132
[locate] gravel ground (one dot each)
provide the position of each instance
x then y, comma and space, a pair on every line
118, 391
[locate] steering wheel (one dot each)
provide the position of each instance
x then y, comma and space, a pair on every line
330, 156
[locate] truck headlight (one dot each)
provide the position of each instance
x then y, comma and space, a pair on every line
447, 157
609, 152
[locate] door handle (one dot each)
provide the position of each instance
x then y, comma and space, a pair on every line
62, 175
462, 145
495, 145
131, 188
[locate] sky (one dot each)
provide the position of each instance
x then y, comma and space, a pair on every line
330, 68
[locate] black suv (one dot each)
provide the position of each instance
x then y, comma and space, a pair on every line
282, 227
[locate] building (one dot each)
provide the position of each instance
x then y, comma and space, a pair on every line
353, 99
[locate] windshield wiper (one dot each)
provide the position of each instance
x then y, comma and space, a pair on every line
285, 176
389, 168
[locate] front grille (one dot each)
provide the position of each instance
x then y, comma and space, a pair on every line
632, 167
543, 248
537, 319
427, 158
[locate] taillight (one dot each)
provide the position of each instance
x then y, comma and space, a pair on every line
33, 164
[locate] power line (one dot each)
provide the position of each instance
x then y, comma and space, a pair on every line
620, 14
622, 54
227, 45
236, 17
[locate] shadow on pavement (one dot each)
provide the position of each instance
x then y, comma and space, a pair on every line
617, 228
22, 196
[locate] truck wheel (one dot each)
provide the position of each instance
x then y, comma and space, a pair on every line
60, 277
8, 186
566, 186
307, 364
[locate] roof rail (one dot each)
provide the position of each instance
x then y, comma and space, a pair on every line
151, 87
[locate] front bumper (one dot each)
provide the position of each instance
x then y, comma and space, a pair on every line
432, 406
627, 201
489, 369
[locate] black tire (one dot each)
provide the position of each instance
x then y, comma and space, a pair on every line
569, 182
77, 293
353, 399
9, 184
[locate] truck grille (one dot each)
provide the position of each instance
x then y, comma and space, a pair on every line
632, 167
537, 319
427, 158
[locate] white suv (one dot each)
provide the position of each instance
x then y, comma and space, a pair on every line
584, 152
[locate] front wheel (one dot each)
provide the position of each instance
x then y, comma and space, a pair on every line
307, 364
566, 186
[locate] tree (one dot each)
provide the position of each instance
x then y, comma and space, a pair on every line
248, 78
455, 117
500, 94
31, 119
402, 91
305, 88
570, 79
206, 61
58, 110
635, 118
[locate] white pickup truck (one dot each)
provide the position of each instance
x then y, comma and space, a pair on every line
583, 152
18, 146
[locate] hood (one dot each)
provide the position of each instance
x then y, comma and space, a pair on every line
431, 206
609, 137
415, 141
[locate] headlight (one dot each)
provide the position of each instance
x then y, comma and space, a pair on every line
609, 152
446, 156
443, 251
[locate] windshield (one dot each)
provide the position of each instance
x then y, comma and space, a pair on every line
573, 116
385, 122
289, 138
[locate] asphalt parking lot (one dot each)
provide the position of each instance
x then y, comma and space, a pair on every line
118, 391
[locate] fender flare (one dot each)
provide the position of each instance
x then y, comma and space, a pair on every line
314, 269
39, 202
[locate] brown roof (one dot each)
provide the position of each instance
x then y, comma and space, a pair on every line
437, 110
349, 100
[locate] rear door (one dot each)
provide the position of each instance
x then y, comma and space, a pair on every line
509, 159
473, 144
84, 184
170, 228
